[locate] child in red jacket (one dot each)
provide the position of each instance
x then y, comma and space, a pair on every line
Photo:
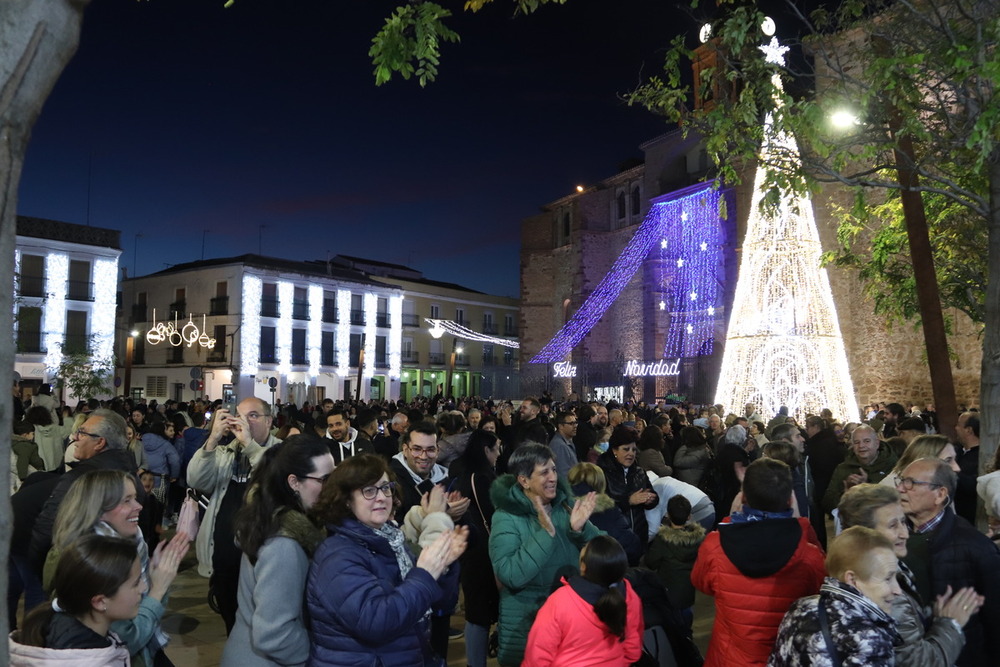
594, 619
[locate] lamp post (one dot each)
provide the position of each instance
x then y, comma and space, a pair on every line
456, 350
129, 352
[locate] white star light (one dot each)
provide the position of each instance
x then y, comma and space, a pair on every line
694, 296
684, 216
663, 243
704, 246
774, 52
690, 329
711, 310
663, 305
680, 263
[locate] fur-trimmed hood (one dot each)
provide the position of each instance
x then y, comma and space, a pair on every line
688, 535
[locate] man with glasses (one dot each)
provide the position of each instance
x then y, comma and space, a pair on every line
561, 443
99, 444
946, 550
221, 469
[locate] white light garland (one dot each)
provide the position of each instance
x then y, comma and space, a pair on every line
370, 304
344, 331
395, 335
283, 335
253, 289
314, 332
783, 346
102, 328
17, 283
54, 327
458, 331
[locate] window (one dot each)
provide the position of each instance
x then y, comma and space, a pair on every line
509, 327
300, 304
218, 353
269, 300
327, 357
354, 350
76, 332
566, 226
407, 354
79, 287
381, 359
29, 329
330, 307
488, 326
139, 308
267, 355
636, 200
435, 311
175, 355
220, 302
410, 318
357, 311
620, 204
508, 357
437, 354
32, 281
298, 346
382, 312
488, 358
156, 385
460, 315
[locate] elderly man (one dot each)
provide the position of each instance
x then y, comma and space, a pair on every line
100, 444
869, 460
944, 550
967, 434
221, 468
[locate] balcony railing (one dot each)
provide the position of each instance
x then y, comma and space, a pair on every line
381, 361
79, 290
327, 359
510, 331
489, 360
219, 306
381, 319
357, 316
489, 328
217, 355
300, 310
330, 314
461, 360
299, 357
139, 312
436, 358
269, 306
410, 357
29, 341
411, 320
76, 344
179, 307
267, 356
31, 285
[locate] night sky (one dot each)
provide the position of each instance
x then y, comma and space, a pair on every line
180, 116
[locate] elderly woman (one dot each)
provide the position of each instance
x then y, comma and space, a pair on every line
931, 640
369, 599
923, 447
848, 623
628, 484
536, 539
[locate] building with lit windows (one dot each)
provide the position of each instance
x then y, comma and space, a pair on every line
65, 281
242, 326
474, 349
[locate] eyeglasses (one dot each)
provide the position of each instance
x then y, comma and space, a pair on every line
428, 451
569, 423
80, 432
908, 483
369, 492
321, 480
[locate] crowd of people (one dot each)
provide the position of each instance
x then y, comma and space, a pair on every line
565, 532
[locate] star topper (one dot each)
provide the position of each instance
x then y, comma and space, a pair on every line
774, 52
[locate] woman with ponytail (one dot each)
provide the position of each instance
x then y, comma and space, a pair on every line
594, 619
97, 581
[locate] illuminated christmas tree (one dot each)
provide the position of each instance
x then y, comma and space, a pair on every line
783, 346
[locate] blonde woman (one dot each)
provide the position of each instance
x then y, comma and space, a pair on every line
923, 447
104, 502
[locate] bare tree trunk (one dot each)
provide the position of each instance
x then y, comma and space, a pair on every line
989, 390
37, 40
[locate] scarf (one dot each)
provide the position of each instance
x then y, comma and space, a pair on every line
750, 514
398, 543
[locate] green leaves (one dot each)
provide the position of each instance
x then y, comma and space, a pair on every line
410, 43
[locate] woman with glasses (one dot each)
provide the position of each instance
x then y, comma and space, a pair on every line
369, 599
932, 636
278, 537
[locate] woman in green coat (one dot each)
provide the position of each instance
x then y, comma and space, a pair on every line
536, 540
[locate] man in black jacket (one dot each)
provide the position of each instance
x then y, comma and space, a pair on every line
946, 550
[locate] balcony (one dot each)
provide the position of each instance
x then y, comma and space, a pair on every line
381, 361
79, 290
139, 312
510, 331
327, 358
299, 357
411, 320
382, 319
489, 328
219, 306
410, 357
76, 344
300, 310
269, 306
178, 307
31, 285
330, 314
217, 355
357, 316
175, 355
436, 358
29, 341
267, 356
489, 361
461, 360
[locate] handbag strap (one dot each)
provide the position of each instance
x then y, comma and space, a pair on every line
824, 627
475, 494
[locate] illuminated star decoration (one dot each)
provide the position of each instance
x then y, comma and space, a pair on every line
783, 345
774, 52
697, 206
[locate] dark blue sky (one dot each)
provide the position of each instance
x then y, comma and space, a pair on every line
190, 117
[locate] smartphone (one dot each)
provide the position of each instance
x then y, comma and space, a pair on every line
231, 407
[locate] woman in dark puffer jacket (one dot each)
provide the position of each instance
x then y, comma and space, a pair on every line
628, 484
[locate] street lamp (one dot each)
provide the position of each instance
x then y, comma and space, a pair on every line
129, 352
456, 350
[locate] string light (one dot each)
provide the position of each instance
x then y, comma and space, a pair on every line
283, 334
105, 303
314, 330
440, 327
344, 331
395, 338
17, 278
253, 289
784, 346
370, 304
56, 275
